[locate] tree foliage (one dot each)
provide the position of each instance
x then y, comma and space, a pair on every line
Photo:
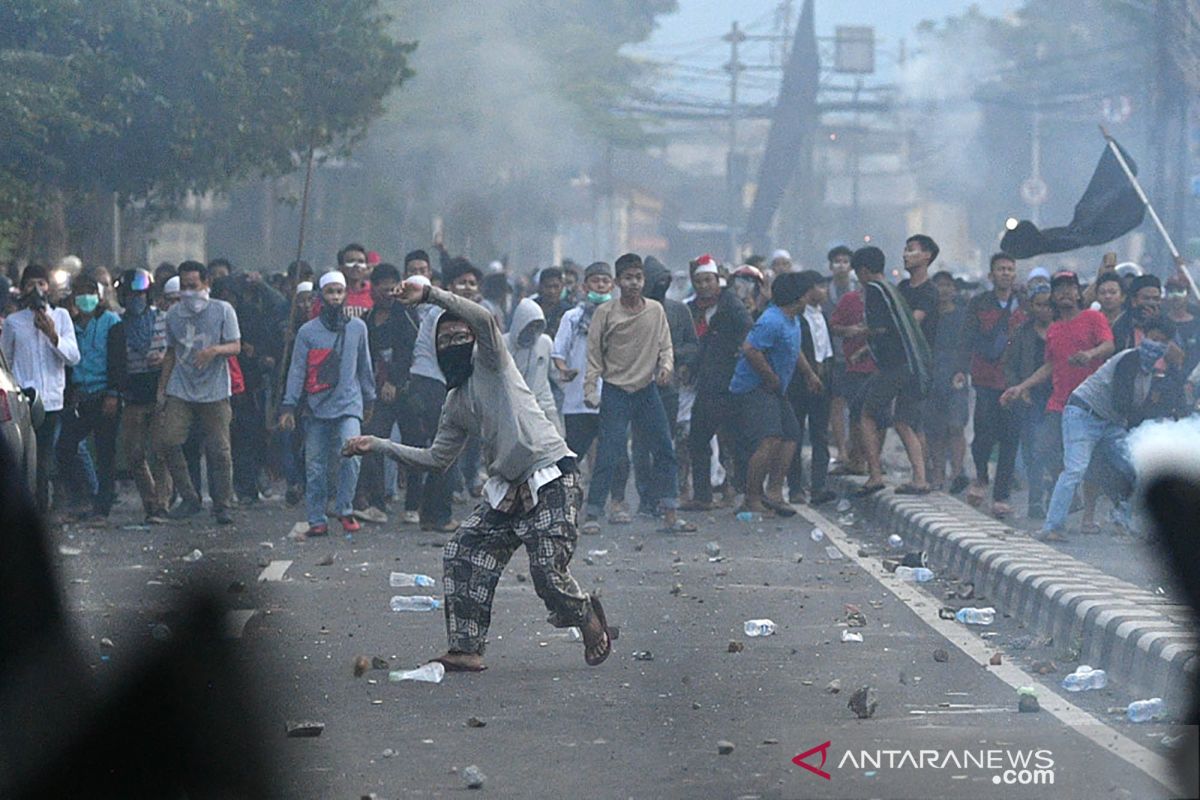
153, 99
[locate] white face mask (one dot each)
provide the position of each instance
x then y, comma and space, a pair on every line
194, 300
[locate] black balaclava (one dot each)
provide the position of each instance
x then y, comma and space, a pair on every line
455, 361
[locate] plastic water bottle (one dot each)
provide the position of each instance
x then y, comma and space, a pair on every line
433, 672
817, 534
976, 616
401, 579
1085, 678
758, 627
749, 516
420, 602
1144, 710
914, 574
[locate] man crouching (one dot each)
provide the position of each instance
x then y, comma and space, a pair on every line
532, 494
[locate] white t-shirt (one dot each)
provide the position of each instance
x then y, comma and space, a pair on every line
822, 346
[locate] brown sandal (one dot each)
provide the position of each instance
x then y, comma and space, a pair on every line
610, 634
453, 666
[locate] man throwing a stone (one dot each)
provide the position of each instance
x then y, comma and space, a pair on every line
532, 494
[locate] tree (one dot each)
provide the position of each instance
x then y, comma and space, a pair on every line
156, 99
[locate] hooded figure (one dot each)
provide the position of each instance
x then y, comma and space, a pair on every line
530, 348
679, 318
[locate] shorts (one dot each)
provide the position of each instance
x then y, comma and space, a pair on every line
762, 415
897, 391
850, 387
946, 412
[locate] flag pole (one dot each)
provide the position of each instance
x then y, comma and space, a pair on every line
1180, 265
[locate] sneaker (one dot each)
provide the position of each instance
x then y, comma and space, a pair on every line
223, 517
411, 518
371, 514
187, 508
157, 517
350, 524
320, 529
959, 483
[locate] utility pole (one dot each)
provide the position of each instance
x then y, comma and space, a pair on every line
733, 188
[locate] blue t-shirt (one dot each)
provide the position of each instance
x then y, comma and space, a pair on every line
778, 338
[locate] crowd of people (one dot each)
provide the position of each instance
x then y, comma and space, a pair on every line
439, 380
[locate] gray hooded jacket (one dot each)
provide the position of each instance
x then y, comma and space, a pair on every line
533, 362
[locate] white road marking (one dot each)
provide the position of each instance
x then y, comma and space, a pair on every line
1071, 715
274, 571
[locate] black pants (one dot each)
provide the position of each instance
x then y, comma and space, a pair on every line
582, 430
995, 425
84, 419
248, 443
427, 396
47, 439
643, 462
812, 412
710, 413
371, 489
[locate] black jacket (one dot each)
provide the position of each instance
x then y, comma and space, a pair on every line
722, 342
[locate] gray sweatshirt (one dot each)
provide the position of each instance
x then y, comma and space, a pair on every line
494, 404
533, 362
356, 380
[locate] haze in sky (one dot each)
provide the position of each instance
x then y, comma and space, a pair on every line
690, 39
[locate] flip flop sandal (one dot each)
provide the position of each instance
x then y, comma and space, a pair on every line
908, 488
590, 528
782, 509
619, 518
1090, 529
610, 634
680, 526
452, 666
867, 490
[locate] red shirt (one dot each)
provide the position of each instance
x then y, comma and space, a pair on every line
1065, 338
237, 382
358, 302
851, 310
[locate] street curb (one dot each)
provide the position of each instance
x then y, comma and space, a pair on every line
1140, 638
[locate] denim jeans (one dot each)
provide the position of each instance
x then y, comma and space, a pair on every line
643, 408
1031, 418
1082, 431
323, 440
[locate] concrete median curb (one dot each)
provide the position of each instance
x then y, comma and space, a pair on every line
1138, 636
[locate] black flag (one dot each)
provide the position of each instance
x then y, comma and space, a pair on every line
1109, 208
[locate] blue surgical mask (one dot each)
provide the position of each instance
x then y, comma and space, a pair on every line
87, 302
1149, 352
597, 298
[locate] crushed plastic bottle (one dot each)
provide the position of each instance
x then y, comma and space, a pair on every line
758, 627
817, 534
1085, 678
1144, 710
843, 506
420, 602
749, 516
433, 672
399, 580
851, 636
975, 616
833, 553
914, 574
895, 542
193, 557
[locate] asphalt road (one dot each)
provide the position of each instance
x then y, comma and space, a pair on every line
555, 727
